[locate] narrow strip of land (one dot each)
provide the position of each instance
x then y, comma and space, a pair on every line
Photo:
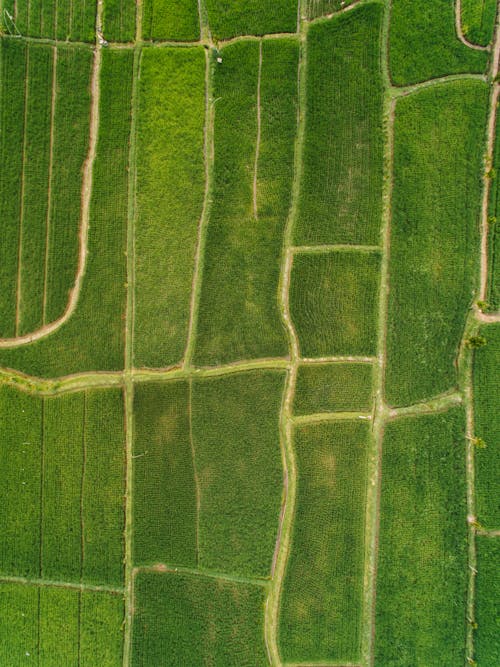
257, 141
336, 247
440, 403
208, 574
53, 583
195, 473
316, 417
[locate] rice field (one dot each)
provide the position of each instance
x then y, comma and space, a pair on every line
478, 20
69, 20
487, 643
176, 20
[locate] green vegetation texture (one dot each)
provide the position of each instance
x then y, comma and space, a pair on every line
228, 18
192, 620
118, 20
422, 565
478, 20
340, 195
487, 639
487, 427
334, 387
316, 8
493, 286
170, 185
439, 135
321, 607
171, 20
423, 43
333, 302
62, 20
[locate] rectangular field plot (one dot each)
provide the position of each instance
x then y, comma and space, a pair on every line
255, 122
45, 117
423, 43
192, 620
487, 638
171, 20
62, 19
334, 302
165, 494
340, 195
238, 462
228, 18
478, 20
55, 626
118, 20
62, 511
93, 338
170, 185
493, 279
487, 427
422, 565
434, 235
337, 387
321, 603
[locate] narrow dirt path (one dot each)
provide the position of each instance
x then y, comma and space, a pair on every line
208, 574
334, 247
459, 31
54, 583
440, 403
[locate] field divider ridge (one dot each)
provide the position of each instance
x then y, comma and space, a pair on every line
53, 583
318, 417
334, 247
440, 403
163, 568
403, 91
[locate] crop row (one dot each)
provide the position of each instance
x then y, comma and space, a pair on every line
67, 20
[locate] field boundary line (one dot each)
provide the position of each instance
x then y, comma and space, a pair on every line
338, 359
318, 417
257, 141
208, 156
322, 664
334, 247
327, 17
85, 197
53, 583
161, 568
195, 472
440, 403
284, 536
403, 91
485, 532
205, 33
22, 193
49, 182
486, 318
460, 32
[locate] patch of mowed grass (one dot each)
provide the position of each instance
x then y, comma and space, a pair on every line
12, 91
20, 455
93, 339
118, 21
340, 195
176, 20
422, 564
71, 137
164, 508
193, 620
493, 284
238, 460
239, 316
333, 302
423, 43
478, 20
320, 618
487, 638
439, 134
170, 188
336, 387
36, 178
487, 427
229, 18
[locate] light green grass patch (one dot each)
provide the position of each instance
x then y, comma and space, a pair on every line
192, 620
340, 195
422, 566
336, 387
487, 427
321, 605
237, 454
439, 134
170, 186
486, 638
333, 302
228, 18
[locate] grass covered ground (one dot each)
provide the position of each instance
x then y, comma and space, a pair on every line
170, 187
340, 194
93, 339
422, 563
439, 134
118, 20
423, 43
192, 620
334, 304
321, 606
493, 285
333, 387
165, 496
171, 19
237, 453
486, 638
228, 18
316, 8
59, 523
68, 20
239, 316
57, 626
478, 20
487, 427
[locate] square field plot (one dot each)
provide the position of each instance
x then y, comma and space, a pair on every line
194, 620
334, 302
334, 387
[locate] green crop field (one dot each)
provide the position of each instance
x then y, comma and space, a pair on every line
249, 333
